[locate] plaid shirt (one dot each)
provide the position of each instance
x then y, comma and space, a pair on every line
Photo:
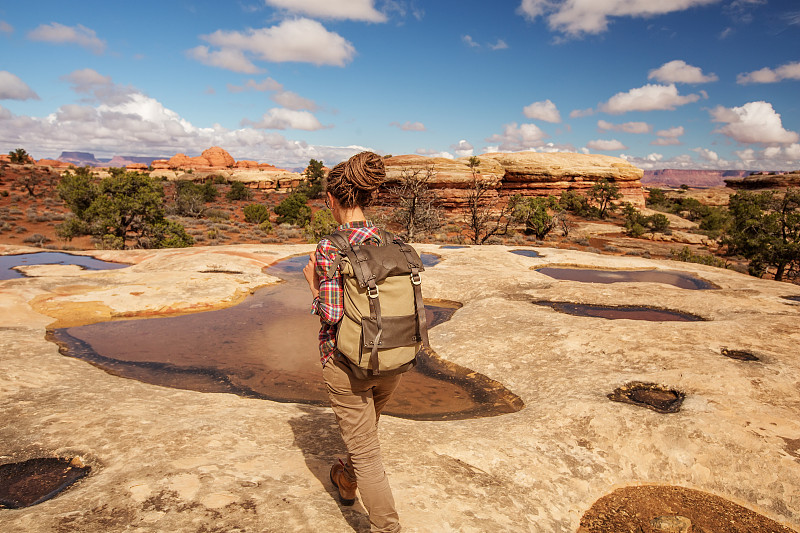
330, 303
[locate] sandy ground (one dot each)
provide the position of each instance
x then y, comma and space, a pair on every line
173, 460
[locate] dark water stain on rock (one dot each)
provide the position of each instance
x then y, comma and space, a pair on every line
9, 262
526, 253
740, 355
453, 246
651, 395
792, 298
37, 480
626, 312
681, 280
266, 347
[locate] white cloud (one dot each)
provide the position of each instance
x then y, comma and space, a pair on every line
227, 58
469, 41
409, 126
58, 33
516, 138
580, 113
671, 132
789, 71
302, 40
265, 85
143, 126
463, 148
332, 9
627, 127
679, 71
294, 101
499, 45
13, 88
433, 153
606, 145
754, 122
647, 98
545, 110
101, 88
706, 154
5, 27
279, 118
578, 17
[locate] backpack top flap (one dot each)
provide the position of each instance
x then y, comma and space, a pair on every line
374, 263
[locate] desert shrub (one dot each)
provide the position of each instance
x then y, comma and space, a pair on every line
256, 213
217, 215
315, 174
320, 225
637, 224
239, 191
217, 179
575, 203
537, 214
4, 194
21, 229
603, 193
294, 209
37, 238
266, 226
209, 191
687, 255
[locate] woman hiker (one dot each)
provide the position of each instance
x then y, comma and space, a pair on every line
357, 403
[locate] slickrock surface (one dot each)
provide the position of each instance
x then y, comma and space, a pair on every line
174, 460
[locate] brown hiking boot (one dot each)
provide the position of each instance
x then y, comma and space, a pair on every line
345, 482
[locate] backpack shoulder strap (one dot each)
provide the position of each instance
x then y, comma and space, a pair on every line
341, 243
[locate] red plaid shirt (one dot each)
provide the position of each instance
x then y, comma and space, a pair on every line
330, 303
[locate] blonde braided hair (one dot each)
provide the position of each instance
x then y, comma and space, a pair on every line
352, 182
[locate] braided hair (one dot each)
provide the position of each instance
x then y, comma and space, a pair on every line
354, 181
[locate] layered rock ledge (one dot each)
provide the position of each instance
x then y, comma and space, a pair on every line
174, 460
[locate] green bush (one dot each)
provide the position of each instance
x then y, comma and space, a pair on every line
689, 256
266, 226
256, 213
294, 209
239, 191
575, 203
321, 224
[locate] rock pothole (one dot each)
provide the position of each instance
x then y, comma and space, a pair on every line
682, 280
526, 253
36, 480
626, 312
653, 396
740, 355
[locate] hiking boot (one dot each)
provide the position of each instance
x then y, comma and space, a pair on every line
345, 482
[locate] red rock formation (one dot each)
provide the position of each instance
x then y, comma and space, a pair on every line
136, 166
766, 180
693, 178
217, 157
53, 163
244, 163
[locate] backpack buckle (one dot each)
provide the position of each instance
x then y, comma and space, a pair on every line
372, 292
415, 278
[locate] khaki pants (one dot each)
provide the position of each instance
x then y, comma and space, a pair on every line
357, 404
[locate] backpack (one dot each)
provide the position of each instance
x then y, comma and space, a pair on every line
384, 325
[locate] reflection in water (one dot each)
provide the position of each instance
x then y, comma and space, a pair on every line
589, 275
629, 312
526, 253
266, 347
8, 262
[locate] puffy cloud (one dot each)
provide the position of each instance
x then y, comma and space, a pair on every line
227, 58
265, 85
409, 126
578, 17
101, 88
294, 101
580, 113
469, 41
433, 153
5, 27
706, 154
606, 145
545, 110
516, 138
627, 127
671, 132
58, 33
13, 88
666, 141
754, 122
332, 9
463, 148
499, 45
678, 71
647, 98
789, 71
301, 40
279, 118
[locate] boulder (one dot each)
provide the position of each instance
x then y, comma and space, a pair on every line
178, 161
217, 157
244, 163
160, 164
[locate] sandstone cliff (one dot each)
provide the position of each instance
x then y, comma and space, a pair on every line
693, 178
766, 181
525, 173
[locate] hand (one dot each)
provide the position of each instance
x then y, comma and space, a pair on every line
310, 273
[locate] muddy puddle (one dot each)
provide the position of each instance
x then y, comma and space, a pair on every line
626, 312
266, 347
8, 262
37, 480
681, 280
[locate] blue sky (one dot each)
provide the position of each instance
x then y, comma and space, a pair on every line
669, 84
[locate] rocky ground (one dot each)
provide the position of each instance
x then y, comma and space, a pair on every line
174, 460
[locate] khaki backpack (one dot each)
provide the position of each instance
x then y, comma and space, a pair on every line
384, 324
